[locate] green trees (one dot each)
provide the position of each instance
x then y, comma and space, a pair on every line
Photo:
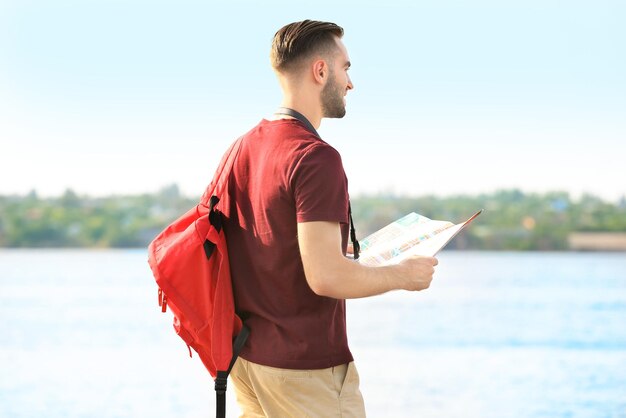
512, 220
73, 221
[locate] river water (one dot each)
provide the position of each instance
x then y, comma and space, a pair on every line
498, 334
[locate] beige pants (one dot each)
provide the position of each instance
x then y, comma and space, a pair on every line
264, 391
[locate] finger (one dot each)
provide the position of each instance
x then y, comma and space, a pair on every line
431, 261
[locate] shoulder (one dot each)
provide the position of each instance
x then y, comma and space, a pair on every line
321, 154
319, 165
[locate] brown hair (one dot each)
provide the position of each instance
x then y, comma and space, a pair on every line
299, 40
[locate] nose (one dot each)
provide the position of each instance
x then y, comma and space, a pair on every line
350, 85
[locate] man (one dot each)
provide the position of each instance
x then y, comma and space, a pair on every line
286, 223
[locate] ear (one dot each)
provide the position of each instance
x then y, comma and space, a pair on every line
320, 71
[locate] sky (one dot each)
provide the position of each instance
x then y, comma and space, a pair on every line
450, 97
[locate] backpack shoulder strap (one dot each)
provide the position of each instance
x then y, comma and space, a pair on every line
220, 178
211, 197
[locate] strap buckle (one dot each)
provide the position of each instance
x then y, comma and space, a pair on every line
220, 384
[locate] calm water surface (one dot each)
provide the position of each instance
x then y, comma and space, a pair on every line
496, 335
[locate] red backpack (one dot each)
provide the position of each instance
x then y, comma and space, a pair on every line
189, 260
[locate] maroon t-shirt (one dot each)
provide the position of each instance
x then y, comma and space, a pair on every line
283, 175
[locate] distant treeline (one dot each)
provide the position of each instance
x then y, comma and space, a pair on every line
512, 220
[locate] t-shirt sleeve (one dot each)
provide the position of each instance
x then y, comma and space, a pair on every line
320, 187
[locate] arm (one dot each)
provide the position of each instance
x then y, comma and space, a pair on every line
331, 274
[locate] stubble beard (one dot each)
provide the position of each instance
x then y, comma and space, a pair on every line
332, 100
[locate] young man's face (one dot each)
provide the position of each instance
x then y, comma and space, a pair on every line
334, 92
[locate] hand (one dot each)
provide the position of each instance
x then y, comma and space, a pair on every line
417, 272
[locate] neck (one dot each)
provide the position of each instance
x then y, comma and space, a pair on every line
312, 112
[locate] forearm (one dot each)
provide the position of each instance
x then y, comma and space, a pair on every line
343, 278
331, 274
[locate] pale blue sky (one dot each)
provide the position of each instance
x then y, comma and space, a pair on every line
450, 97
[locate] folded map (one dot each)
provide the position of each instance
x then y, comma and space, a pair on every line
410, 235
